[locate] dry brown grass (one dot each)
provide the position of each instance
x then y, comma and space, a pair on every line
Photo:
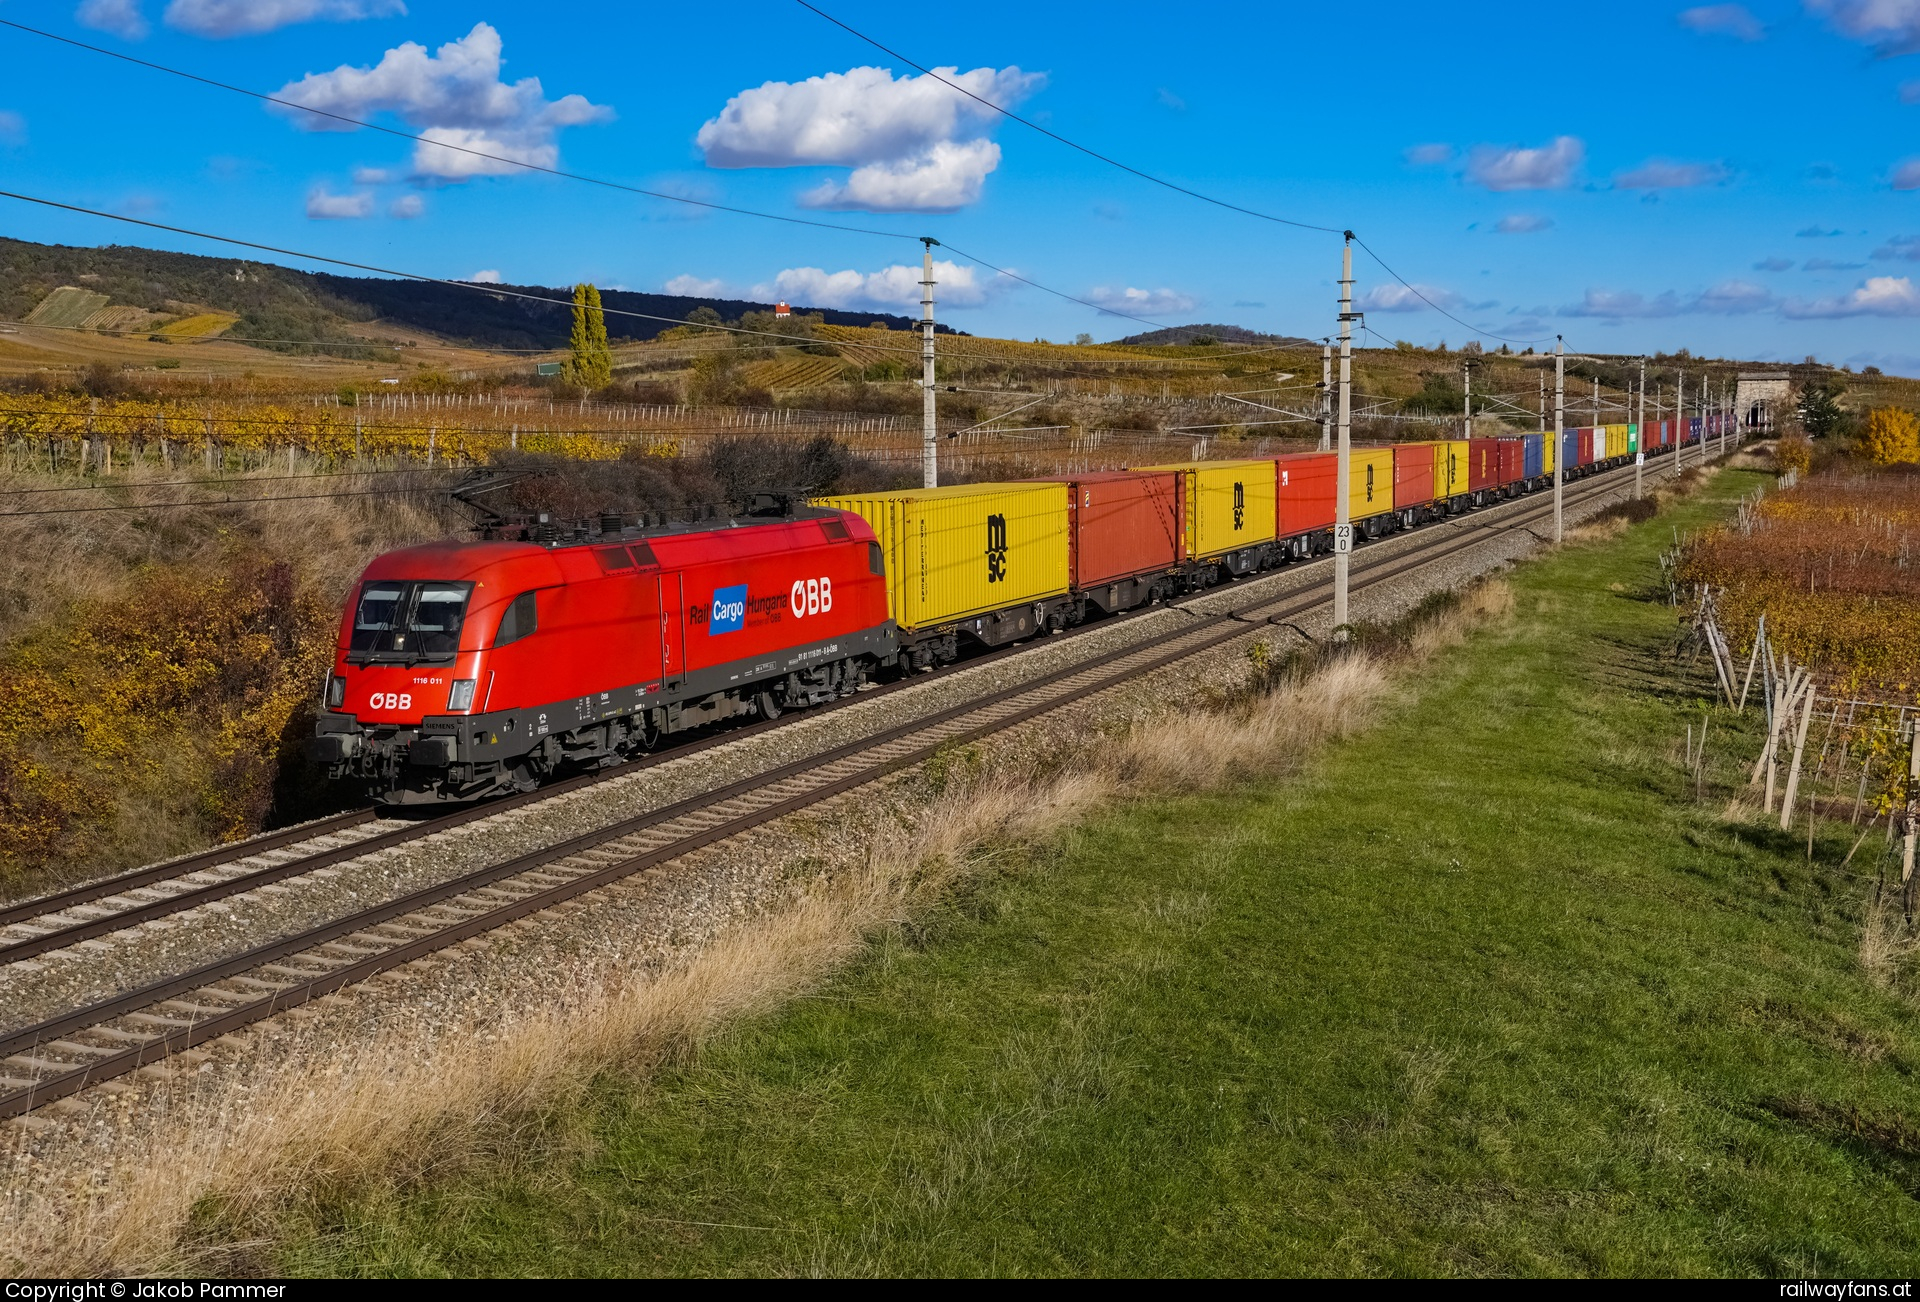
48, 561
389, 1109
1887, 944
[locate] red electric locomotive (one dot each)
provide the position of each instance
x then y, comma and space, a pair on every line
468, 669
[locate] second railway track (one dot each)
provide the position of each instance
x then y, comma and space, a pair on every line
112, 1037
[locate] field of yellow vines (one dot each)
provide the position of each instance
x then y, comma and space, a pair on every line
1834, 563
32, 423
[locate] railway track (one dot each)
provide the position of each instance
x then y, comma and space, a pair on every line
61, 1055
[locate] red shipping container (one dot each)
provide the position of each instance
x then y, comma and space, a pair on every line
1584, 456
1306, 491
1412, 475
1513, 462
1483, 464
1122, 523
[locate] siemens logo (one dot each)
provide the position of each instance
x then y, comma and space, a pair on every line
729, 610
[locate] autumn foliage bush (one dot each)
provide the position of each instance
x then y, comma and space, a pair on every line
159, 669
1890, 437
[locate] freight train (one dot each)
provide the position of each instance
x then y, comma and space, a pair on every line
467, 669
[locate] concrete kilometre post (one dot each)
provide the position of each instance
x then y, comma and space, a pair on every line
1342, 525
929, 430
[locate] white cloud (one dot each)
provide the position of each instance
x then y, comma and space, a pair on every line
1665, 174
221, 18
1889, 26
897, 286
1899, 248
1830, 264
1879, 296
1817, 233
487, 277
407, 206
1723, 20
1734, 298
453, 96
1616, 304
1521, 224
324, 206
1429, 155
1774, 264
946, 178
1550, 167
1170, 100
373, 175
693, 287
121, 17
13, 128
846, 119
1136, 302
1729, 298
1910, 92
915, 145
1403, 298
1907, 175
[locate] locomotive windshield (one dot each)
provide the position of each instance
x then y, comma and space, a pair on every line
408, 620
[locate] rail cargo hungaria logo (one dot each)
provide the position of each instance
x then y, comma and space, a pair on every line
729, 610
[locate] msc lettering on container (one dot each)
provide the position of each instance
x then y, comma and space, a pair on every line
996, 548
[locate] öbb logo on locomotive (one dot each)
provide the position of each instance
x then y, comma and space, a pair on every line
811, 597
390, 701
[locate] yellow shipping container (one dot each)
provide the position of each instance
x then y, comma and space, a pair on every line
1370, 482
1455, 483
1231, 504
956, 552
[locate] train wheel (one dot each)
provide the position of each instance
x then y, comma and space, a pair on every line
768, 707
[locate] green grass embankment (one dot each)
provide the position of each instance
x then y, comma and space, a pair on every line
1483, 993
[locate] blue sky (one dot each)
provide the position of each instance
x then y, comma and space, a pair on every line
1739, 180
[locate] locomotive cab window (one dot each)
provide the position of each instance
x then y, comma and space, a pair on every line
876, 559
408, 620
521, 619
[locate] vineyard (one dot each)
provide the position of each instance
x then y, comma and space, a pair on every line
789, 374
1834, 565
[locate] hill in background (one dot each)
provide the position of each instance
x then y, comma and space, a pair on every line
1220, 334
279, 307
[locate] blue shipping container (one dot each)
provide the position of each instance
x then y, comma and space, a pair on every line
1569, 452
1534, 457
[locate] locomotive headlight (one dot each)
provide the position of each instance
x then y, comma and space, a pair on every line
461, 697
336, 691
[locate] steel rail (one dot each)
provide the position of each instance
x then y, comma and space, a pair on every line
546, 880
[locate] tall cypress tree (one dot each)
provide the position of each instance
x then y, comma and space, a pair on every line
591, 365
597, 346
